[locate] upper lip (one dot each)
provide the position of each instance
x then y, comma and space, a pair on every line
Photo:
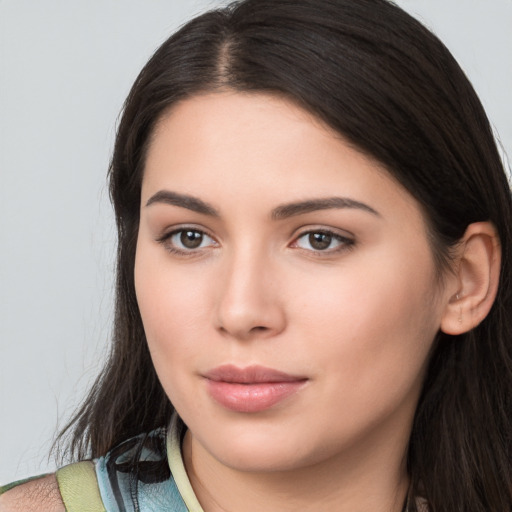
249, 375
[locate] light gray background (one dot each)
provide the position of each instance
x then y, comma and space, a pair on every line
65, 69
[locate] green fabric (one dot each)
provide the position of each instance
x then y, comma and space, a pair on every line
79, 488
178, 471
77, 485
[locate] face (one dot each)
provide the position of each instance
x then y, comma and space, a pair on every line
285, 282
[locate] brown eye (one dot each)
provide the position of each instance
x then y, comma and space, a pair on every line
187, 240
191, 239
323, 241
320, 241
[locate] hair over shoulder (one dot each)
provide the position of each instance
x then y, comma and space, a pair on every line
391, 89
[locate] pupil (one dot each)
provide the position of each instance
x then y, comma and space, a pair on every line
191, 239
320, 241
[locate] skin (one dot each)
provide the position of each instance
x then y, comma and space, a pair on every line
352, 313
35, 496
356, 320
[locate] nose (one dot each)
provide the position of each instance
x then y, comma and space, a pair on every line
250, 304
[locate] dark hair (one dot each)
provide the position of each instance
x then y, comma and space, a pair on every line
392, 90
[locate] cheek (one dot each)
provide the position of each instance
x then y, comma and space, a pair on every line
373, 326
172, 303
173, 313
374, 293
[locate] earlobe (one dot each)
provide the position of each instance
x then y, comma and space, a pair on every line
477, 271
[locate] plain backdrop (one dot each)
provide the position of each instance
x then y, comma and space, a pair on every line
65, 69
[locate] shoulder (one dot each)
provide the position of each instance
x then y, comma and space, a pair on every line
41, 495
135, 470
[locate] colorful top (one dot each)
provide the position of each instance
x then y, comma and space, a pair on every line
156, 481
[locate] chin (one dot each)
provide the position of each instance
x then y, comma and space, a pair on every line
258, 460
260, 451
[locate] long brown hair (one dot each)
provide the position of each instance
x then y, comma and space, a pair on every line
393, 90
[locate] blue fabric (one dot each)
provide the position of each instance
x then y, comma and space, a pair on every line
135, 477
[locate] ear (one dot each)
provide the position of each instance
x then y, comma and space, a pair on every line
477, 272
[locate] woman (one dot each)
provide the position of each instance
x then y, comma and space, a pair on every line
313, 269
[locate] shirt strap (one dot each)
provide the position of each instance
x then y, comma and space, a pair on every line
177, 467
79, 487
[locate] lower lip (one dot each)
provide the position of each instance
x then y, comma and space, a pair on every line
252, 397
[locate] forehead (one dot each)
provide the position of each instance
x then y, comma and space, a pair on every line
228, 146
256, 121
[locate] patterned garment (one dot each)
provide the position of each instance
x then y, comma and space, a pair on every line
144, 474
143, 486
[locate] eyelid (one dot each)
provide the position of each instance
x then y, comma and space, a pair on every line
346, 239
165, 239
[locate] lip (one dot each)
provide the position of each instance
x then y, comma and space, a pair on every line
251, 389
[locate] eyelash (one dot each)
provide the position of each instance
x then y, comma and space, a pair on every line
344, 242
166, 241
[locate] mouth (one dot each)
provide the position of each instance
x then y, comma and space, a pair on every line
251, 389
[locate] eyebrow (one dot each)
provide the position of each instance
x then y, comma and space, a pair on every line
183, 201
279, 213
311, 205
